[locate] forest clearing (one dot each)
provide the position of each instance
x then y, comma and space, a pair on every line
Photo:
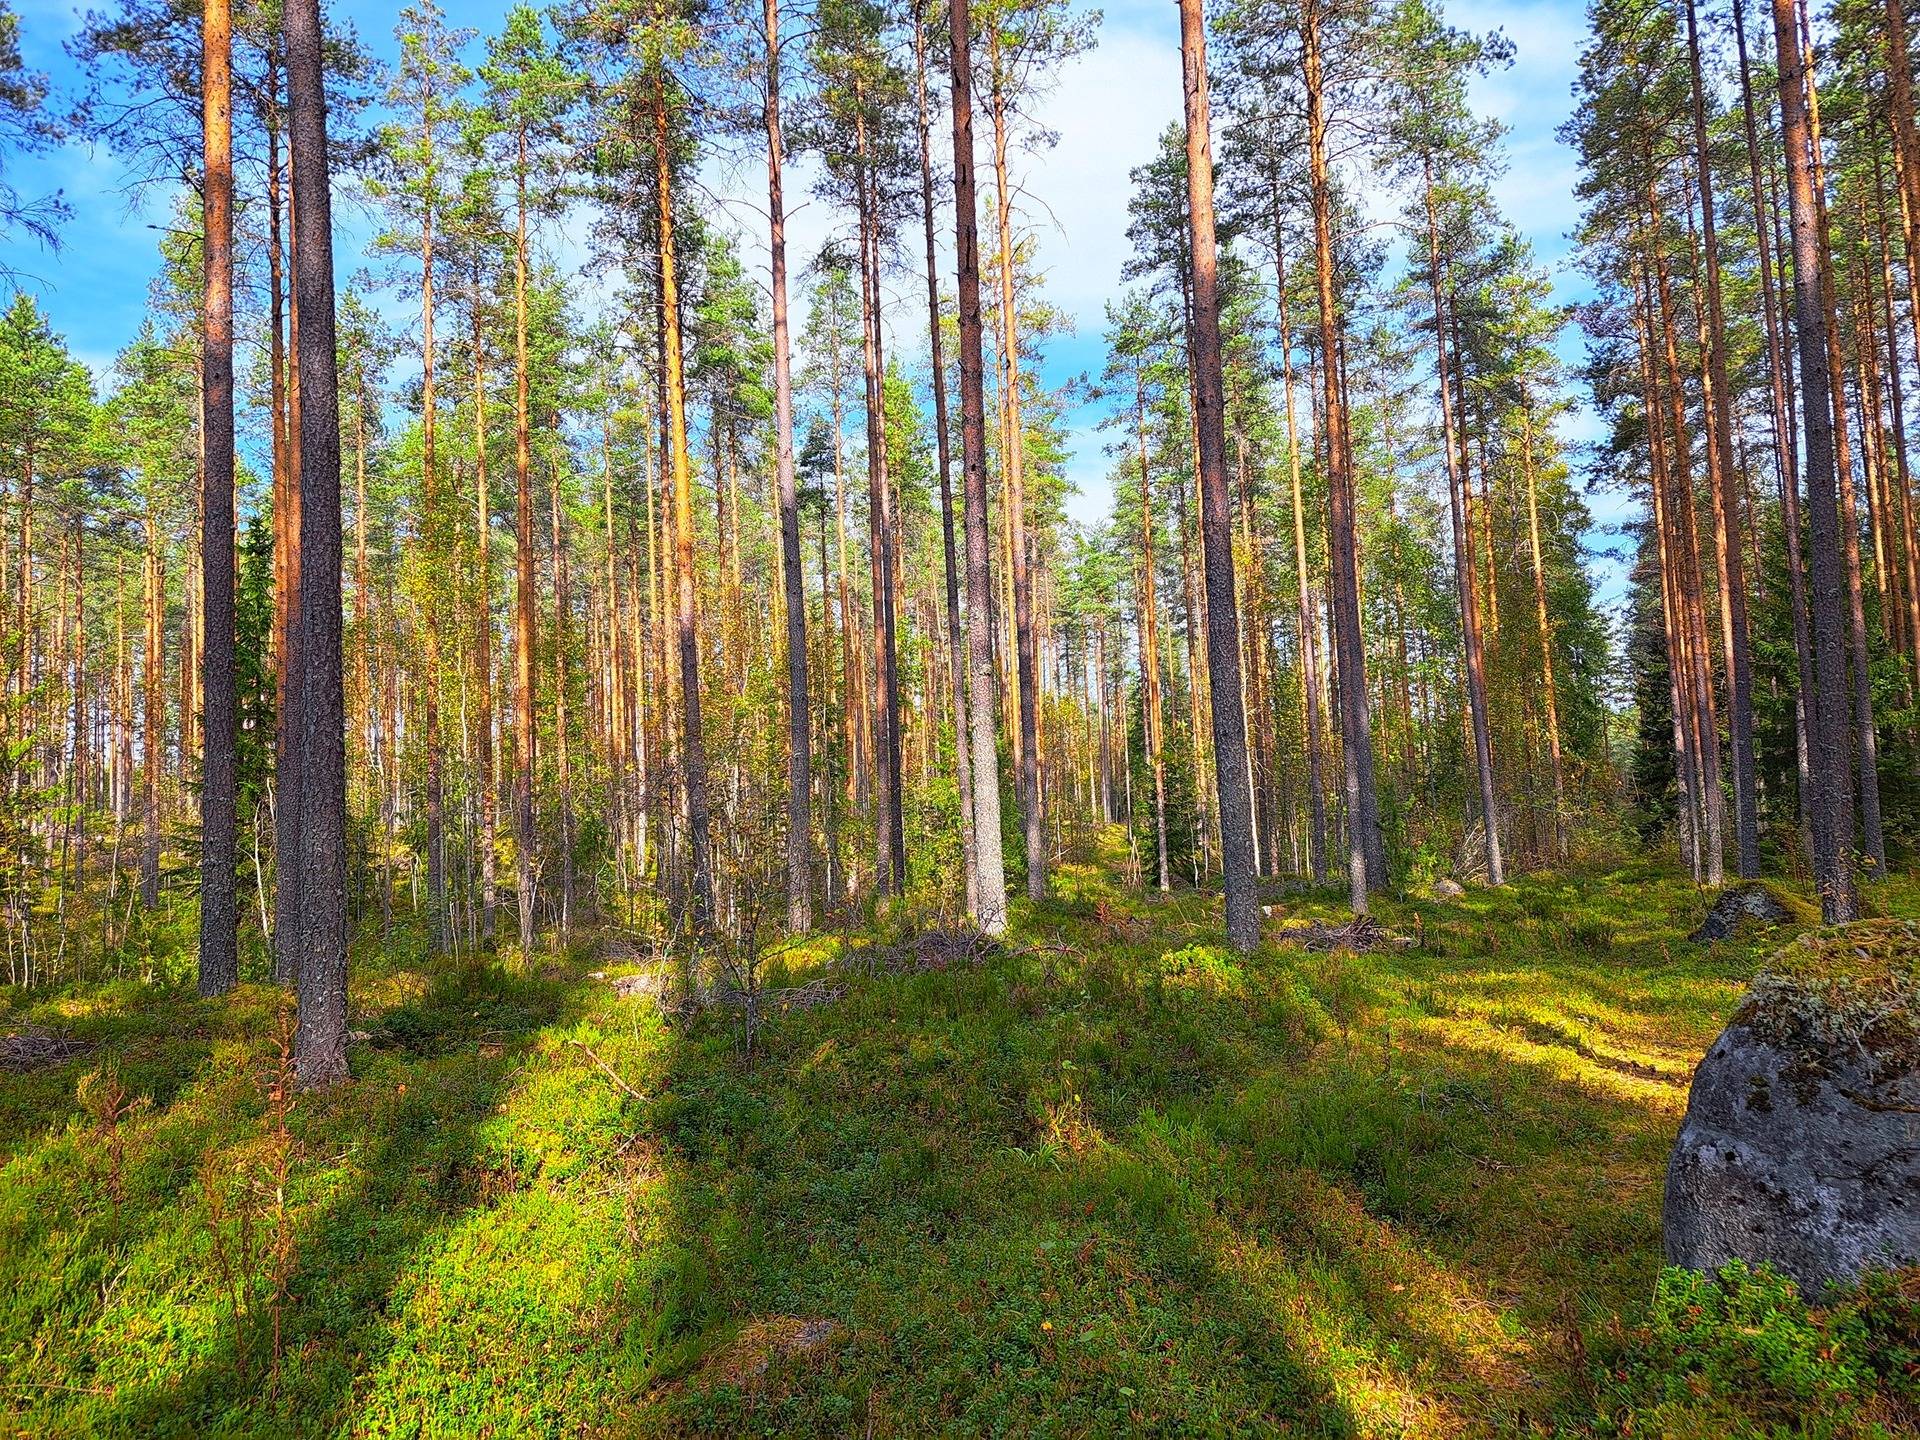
883, 717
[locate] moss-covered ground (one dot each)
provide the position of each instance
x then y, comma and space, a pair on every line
1110, 1179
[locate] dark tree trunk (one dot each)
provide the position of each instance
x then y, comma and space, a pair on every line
1237, 860
320, 1052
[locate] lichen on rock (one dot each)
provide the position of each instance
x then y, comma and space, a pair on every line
1850, 990
1801, 1145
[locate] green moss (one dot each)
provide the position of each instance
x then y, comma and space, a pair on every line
1843, 988
1109, 1179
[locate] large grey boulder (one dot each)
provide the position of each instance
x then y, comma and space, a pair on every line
1801, 1144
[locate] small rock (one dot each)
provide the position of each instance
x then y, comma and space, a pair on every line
1446, 889
1800, 1147
358, 1037
1749, 900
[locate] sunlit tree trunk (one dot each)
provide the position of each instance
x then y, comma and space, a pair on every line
1728, 522
1833, 794
990, 911
943, 446
1013, 467
693, 753
1366, 846
1544, 623
1476, 663
1309, 658
799, 722
1238, 864
219, 919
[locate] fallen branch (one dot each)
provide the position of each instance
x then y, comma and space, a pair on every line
606, 1069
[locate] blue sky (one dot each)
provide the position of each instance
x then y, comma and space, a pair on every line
1108, 112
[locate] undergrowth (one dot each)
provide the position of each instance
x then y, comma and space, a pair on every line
1107, 1177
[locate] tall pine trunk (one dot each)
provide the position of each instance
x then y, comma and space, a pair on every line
523, 624
799, 721
1470, 634
1366, 846
1832, 789
990, 911
693, 752
943, 448
1013, 466
1237, 859
219, 918
320, 1037
1736, 637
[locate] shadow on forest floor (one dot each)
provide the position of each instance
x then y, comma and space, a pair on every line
1110, 1178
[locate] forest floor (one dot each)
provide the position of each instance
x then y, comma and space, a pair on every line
1105, 1178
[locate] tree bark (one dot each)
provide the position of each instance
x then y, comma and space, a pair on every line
1867, 745
1474, 644
990, 911
219, 917
693, 751
1736, 636
1239, 868
320, 1056
1013, 464
523, 621
799, 721
1833, 793
956, 645
1544, 622
1366, 847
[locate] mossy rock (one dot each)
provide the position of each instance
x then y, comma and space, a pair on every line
1753, 903
1845, 990
1801, 1145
